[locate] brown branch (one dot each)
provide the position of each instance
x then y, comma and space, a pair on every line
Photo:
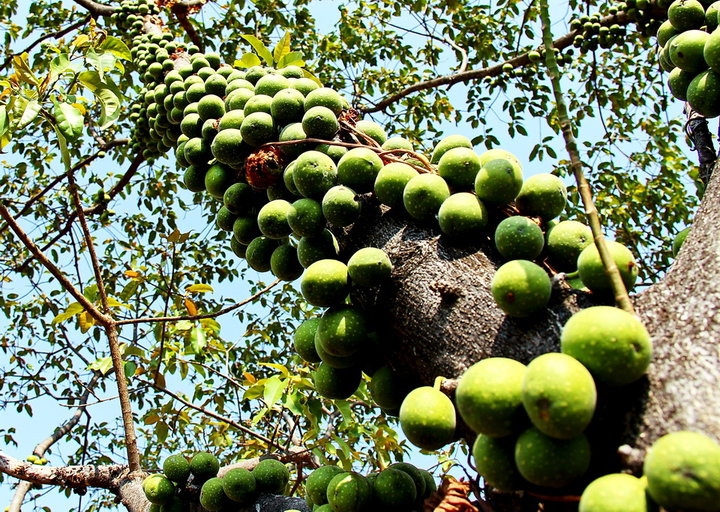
200, 317
181, 11
40, 449
96, 9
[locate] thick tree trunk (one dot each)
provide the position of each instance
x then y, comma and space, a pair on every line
443, 318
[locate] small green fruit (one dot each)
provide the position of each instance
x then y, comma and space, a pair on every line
394, 490
427, 417
212, 495
176, 468
317, 483
240, 486
158, 489
369, 267
204, 465
542, 195
304, 340
565, 242
550, 462
372, 130
521, 288
342, 331
686, 14
348, 492
703, 94
271, 476
458, 167
358, 169
320, 123
424, 194
325, 283
390, 183
284, 263
314, 174
498, 181
617, 492
259, 253
306, 218
319, 247
336, 383
448, 143
686, 50
387, 388
463, 217
519, 238
340, 206
273, 219
593, 273
495, 462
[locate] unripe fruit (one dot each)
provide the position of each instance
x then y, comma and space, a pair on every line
304, 340
348, 492
424, 194
158, 489
519, 238
317, 483
549, 462
498, 181
342, 331
542, 195
212, 495
240, 486
593, 273
325, 283
448, 143
358, 169
427, 417
369, 266
521, 288
336, 383
458, 167
390, 183
617, 492
495, 462
463, 217
565, 242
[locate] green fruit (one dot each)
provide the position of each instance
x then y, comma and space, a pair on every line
686, 50
292, 132
342, 331
427, 417
498, 181
197, 152
414, 473
394, 490
665, 32
372, 130
497, 153
305, 218
254, 73
258, 128
358, 169
348, 492
225, 219
613, 344
495, 462
459, 166
679, 240
238, 248
212, 495
617, 492
211, 107
543, 195
448, 143
236, 99
332, 150
258, 103
683, 472
204, 465
191, 125
272, 219
519, 238
245, 229
314, 174
390, 183
238, 198
369, 267
304, 340
317, 483
287, 107
271, 476
559, 395
271, 84
291, 72
319, 247
340, 206
711, 17
340, 363
320, 123
158, 489
325, 283
324, 97
521, 288
232, 119
397, 143
593, 273
259, 253
711, 51
387, 388
686, 14
430, 485
227, 147
424, 194
551, 462
216, 85
565, 241
703, 94
489, 396
336, 383
284, 263
304, 85
194, 178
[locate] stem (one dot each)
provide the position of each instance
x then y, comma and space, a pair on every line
618, 286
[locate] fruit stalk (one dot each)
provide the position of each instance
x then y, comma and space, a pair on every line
620, 292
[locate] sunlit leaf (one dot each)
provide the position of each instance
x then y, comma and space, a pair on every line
274, 388
69, 119
282, 48
23, 70
248, 60
72, 310
103, 365
259, 48
115, 46
190, 306
199, 288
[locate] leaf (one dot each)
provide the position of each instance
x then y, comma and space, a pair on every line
293, 403
191, 307
184, 325
72, 310
291, 59
4, 120
101, 61
30, 111
91, 80
259, 48
22, 69
150, 419
81, 40
59, 64
115, 46
282, 369
282, 48
197, 340
129, 368
103, 365
312, 77
110, 107
114, 303
199, 288
86, 321
70, 120
274, 388
62, 144
248, 60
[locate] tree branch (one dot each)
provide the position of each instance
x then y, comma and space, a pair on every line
96, 9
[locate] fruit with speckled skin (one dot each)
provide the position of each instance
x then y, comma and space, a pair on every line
369, 266
372, 130
314, 173
318, 247
358, 169
204, 465
304, 340
683, 472
320, 123
273, 219
340, 206
387, 388
686, 50
284, 263
212, 495
519, 238
617, 492
459, 166
325, 283
489, 396
495, 462
394, 490
271, 476
448, 143
348, 492
305, 218
414, 473
463, 216
390, 183
424, 194
259, 253
559, 395
542, 195
176, 468
686, 14
342, 330
427, 417
550, 462
592, 271
336, 383
158, 489
565, 241
521, 288
498, 181
258, 128
703, 94
240, 485
317, 483
613, 344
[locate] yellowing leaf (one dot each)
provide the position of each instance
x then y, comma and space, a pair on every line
132, 273
22, 69
249, 377
282, 48
248, 60
81, 40
72, 310
86, 321
114, 303
282, 369
103, 365
191, 307
199, 288
69, 120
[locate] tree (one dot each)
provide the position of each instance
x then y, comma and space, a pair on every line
148, 314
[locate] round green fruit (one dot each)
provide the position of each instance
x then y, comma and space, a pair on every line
340, 206
498, 181
387, 388
318, 247
342, 331
683, 472
304, 340
703, 94
372, 130
550, 462
194, 178
227, 147
240, 486
245, 230
204, 465
317, 483
314, 174
394, 490
542, 195
258, 103
271, 84
489, 396
521, 288
348, 492
324, 97
565, 241
617, 492
239, 198
686, 15
463, 217
271, 476
287, 107
336, 383
519, 238
398, 143
358, 169
459, 166
305, 218
390, 183
559, 395
495, 462
273, 219
448, 143
593, 273
414, 473
212, 495
158, 489
176, 468
424, 194
284, 263
427, 417
613, 344
258, 128
369, 267
325, 283
259, 253
686, 50
320, 123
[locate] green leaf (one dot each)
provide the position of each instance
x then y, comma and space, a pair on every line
197, 340
100, 61
103, 365
30, 110
4, 120
72, 310
248, 60
115, 46
199, 287
291, 59
110, 105
274, 388
59, 64
69, 119
293, 403
114, 303
259, 48
161, 431
129, 368
91, 80
312, 77
62, 144
282, 48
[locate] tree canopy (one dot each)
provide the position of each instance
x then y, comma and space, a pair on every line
125, 290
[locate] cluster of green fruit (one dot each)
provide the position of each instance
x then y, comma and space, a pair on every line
237, 487
130, 14
690, 51
591, 34
41, 461
401, 487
